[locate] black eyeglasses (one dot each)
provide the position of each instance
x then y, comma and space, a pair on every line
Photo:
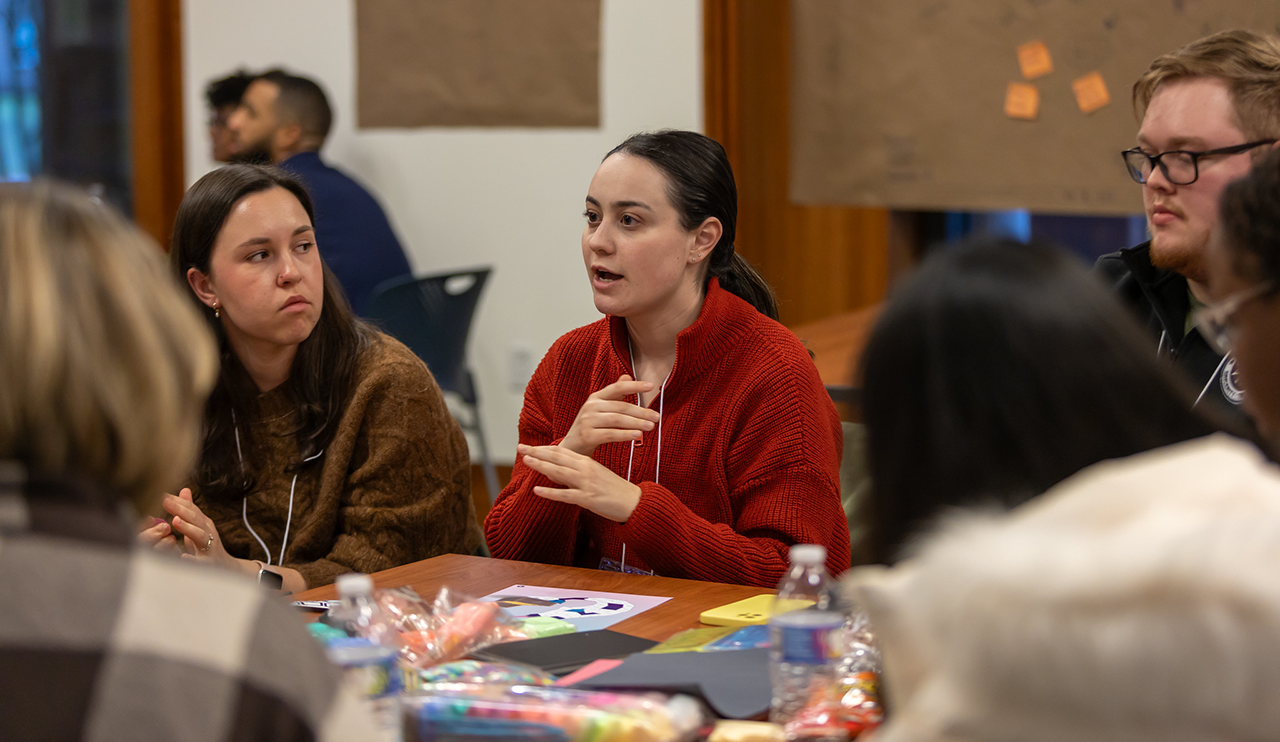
1180, 166
1214, 320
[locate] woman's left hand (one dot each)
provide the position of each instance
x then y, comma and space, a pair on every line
201, 540
587, 483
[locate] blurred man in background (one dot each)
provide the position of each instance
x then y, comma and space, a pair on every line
223, 96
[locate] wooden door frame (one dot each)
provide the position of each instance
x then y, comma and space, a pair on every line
720, 78
721, 31
155, 114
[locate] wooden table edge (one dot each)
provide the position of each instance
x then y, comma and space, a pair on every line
689, 598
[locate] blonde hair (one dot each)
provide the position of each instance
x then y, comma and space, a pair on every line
104, 365
1247, 61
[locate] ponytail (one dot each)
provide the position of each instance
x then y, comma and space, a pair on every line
740, 279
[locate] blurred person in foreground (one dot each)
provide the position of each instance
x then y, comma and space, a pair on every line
1138, 601
996, 371
284, 119
104, 368
1244, 274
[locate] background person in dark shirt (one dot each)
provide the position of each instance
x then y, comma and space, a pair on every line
284, 119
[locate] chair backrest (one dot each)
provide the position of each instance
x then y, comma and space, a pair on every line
432, 316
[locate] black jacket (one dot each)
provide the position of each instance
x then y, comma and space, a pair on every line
1159, 298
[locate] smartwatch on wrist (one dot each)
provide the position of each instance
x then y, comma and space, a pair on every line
270, 580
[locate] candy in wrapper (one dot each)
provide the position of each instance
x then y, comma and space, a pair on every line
860, 702
820, 719
853, 708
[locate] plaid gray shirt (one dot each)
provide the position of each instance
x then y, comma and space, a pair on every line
103, 641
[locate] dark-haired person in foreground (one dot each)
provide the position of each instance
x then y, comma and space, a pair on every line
1208, 111
686, 433
328, 447
284, 119
1244, 276
104, 370
995, 372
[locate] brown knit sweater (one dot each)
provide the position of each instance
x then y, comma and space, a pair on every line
392, 487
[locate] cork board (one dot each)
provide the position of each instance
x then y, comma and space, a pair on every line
910, 104
531, 63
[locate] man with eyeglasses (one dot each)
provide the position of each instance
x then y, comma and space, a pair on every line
1208, 110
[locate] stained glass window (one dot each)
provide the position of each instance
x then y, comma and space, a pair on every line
19, 89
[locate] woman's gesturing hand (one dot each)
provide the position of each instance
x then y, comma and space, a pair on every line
586, 482
606, 418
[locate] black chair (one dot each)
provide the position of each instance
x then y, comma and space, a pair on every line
432, 316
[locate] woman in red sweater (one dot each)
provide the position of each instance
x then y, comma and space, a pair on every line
687, 432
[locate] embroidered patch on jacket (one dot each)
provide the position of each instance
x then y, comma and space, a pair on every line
1230, 381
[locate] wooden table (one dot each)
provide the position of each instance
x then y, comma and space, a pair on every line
477, 576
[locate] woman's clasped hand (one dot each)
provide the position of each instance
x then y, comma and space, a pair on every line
200, 535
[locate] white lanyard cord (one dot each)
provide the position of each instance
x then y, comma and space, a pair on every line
244, 514
657, 466
1212, 376
244, 504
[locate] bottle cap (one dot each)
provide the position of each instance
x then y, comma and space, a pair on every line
808, 555
353, 584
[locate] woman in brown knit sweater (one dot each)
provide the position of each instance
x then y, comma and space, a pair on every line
328, 447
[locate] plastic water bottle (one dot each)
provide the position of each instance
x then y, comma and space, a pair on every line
368, 660
358, 614
803, 649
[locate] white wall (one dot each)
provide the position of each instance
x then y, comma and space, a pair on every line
512, 198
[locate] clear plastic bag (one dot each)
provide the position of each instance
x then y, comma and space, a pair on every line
448, 628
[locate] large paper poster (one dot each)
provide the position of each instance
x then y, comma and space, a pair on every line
956, 104
477, 63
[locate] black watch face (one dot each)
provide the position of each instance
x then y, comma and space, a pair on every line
269, 579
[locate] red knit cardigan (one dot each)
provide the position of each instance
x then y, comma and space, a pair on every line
749, 460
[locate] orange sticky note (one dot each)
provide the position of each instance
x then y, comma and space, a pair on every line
1022, 101
1091, 92
1034, 59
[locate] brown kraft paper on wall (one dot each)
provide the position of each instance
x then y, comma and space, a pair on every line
478, 63
900, 103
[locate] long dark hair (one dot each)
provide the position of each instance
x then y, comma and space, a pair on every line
324, 368
700, 185
995, 372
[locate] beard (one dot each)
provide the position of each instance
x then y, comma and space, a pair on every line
1187, 260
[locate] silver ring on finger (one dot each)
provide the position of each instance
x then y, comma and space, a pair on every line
208, 544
